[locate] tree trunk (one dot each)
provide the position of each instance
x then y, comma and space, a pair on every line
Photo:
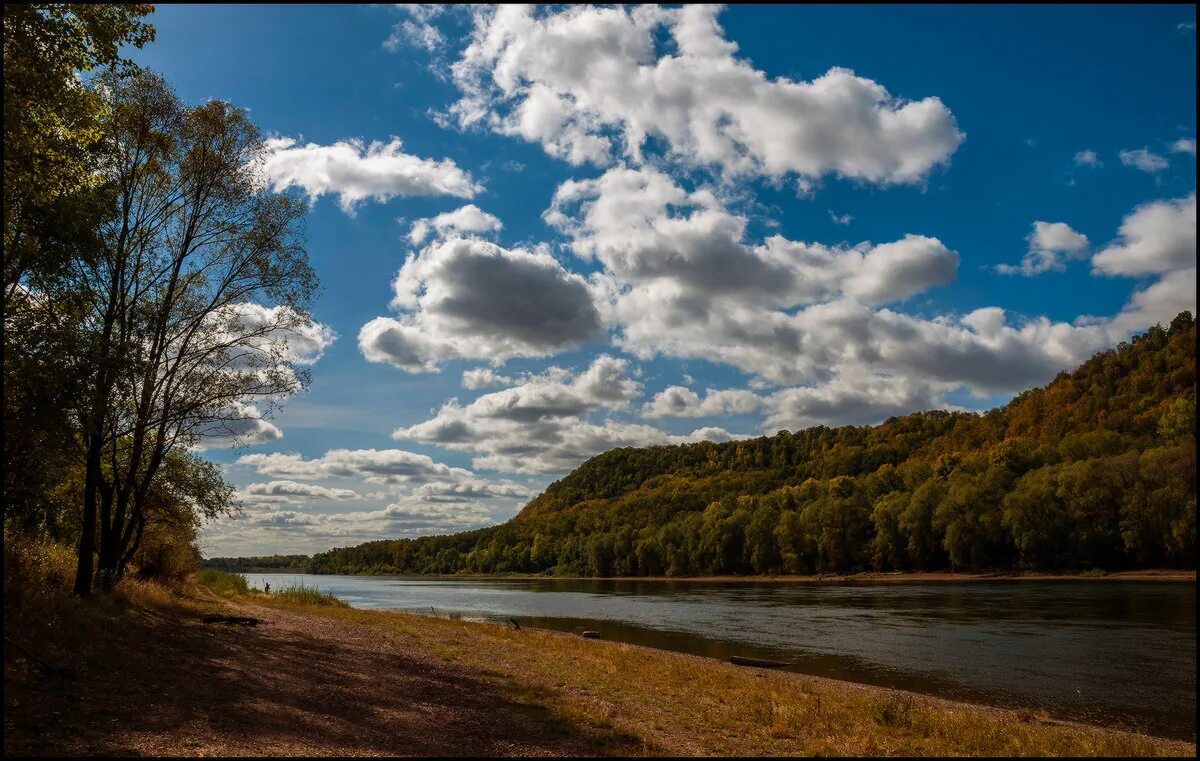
87, 534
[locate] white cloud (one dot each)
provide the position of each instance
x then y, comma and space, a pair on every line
652, 235
542, 425
1088, 158
1050, 245
465, 220
1144, 160
262, 348
465, 491
483, 377
287, 530
417, 31
355, 172
679, 279
474, 299
590, 84
844, 402
1184, 145
239, 425
296, 491
380, 466
677, 401
1155, 238
841, 219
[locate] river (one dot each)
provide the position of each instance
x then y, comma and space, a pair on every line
1114, 653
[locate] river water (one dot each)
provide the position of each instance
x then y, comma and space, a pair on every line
1115, 653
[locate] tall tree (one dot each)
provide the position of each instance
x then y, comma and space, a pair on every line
196, 303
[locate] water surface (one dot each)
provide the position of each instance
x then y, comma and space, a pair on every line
1115, 653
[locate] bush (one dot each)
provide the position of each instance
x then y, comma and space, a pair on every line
305, 595
36, 572
222, 582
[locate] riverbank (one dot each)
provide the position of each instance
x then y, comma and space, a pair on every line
331, 680
899, 577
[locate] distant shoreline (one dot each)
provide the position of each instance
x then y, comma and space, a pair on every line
914, 577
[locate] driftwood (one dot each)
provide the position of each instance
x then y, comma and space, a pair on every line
591, 635
762, 663
239, 620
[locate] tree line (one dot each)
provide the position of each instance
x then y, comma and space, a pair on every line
1095, 470
152, 286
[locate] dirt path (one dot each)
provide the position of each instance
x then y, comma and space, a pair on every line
294, 685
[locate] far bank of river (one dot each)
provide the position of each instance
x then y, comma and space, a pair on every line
1120, 655
896, 577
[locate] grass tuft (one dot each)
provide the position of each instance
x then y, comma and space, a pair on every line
223, 582
301, 594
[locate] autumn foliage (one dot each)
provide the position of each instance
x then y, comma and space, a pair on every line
1095, 470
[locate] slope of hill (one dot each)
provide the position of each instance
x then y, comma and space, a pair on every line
1097, 469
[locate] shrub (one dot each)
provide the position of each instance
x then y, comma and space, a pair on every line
223, 582
36, 572
305, 595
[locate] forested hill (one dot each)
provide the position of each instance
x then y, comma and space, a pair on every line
1097, 469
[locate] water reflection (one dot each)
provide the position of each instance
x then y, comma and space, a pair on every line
1113, 653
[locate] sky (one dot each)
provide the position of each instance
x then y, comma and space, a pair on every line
545, 232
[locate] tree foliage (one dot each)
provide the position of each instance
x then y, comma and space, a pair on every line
1097, 469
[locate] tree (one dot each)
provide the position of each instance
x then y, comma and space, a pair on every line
187, 491
196, 303
888, 548
1036, 519
53, 122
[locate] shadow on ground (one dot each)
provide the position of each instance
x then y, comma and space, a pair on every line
160, 682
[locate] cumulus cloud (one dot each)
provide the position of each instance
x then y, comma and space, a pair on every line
679, 278
238, 425
279, 333
381, 466
593, 84
652, 234
1088, 159
465, 220
483, 377
289, 530
677, 401
841, 219
543, 425
1184, 145
295, 491
845, 402
1144, 160
1155, 238
355, 172
474, 299
1050, 245
465, 491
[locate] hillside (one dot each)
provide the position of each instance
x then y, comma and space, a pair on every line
1097, 469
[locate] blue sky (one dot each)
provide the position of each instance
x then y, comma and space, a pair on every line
766, 217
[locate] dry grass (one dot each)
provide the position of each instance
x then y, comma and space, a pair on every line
686, 705
114, 669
